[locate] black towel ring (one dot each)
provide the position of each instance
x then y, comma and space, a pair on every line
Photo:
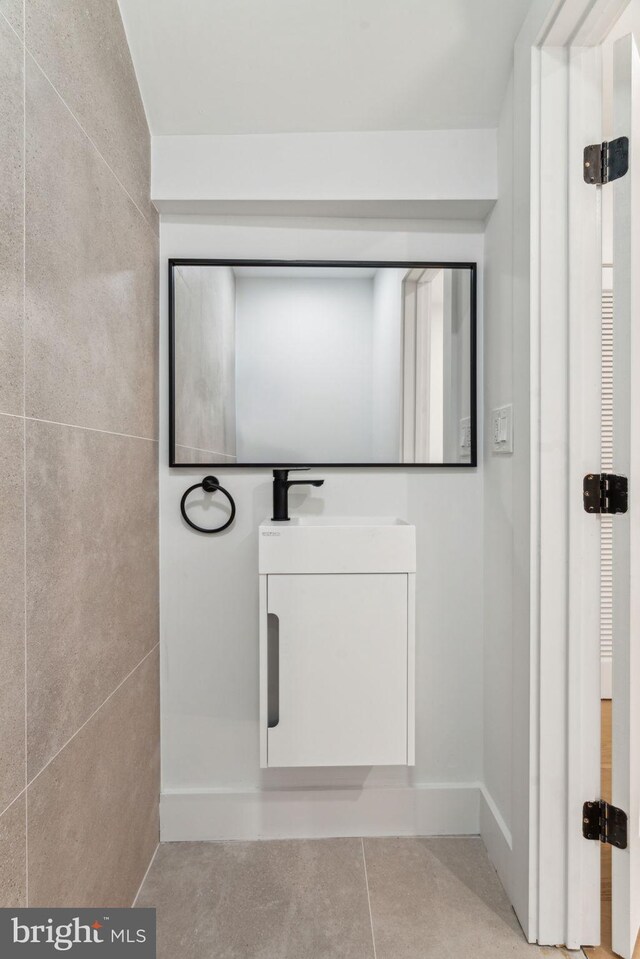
210, 485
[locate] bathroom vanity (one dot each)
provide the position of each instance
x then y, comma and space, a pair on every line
337, 638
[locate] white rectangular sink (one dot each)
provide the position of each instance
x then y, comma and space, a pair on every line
337, 544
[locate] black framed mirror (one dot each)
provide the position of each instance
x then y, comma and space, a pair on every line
322, 363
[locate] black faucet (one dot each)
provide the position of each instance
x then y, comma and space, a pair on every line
281, 484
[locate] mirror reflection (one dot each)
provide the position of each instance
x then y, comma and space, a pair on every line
322, 364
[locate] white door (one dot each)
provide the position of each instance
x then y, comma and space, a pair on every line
626, 527
343, 670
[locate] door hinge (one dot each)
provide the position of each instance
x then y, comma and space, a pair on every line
605, 493
604, 162
605, 823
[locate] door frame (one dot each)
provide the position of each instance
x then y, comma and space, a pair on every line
566, 260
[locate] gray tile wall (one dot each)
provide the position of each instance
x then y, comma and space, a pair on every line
79, 754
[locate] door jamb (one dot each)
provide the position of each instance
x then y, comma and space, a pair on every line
565, 444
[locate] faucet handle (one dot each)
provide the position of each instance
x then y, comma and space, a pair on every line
281, 487
282, 474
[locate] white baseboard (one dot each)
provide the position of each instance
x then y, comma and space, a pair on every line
496, 836
442, 809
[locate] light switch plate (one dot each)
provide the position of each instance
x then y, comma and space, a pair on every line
502, 429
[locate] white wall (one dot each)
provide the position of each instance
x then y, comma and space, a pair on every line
304, 366
212, 784
432, 173
386, 406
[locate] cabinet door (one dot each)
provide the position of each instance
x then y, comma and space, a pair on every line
342, 670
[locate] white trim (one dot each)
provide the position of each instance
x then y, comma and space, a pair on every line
625, 746
439, 809
564, 241
492, 807
496, 836
584, 366
553, 326
568, 280
581, 22
599, 21
535, 563
564, 22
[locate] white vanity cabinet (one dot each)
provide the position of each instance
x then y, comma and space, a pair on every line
337, 642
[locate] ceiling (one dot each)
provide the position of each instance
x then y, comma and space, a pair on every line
291, 66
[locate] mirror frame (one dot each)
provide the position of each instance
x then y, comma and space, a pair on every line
472, 267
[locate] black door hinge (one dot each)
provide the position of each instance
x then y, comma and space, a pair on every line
605, 823
605, 493
604, 162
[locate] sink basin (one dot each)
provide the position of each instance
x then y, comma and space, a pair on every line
337, 544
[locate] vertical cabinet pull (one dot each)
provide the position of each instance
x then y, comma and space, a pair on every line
273, 670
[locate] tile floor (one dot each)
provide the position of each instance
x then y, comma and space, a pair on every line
333, 899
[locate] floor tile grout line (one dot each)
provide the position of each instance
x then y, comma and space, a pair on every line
366, 880
198, 449
78, 426
22, 41
24, 446
94, 713
91, 429
91, 141
11, 26
13, 801
146, 873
